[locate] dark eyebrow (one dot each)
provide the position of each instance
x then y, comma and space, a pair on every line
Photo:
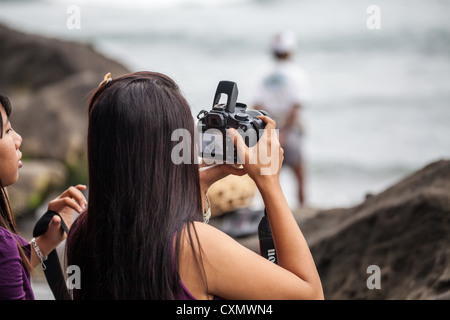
3, 126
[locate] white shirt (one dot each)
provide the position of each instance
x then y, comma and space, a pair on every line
280, 86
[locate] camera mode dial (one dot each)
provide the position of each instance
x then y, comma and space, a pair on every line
241, 116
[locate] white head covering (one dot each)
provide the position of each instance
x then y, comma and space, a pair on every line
284, 42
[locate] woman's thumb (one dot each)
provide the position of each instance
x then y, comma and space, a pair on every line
55, 222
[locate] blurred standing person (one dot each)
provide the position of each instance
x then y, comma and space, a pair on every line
282, 90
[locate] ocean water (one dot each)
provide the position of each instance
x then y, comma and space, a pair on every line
381, 97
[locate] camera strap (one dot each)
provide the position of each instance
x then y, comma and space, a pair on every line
266, 244
53, 272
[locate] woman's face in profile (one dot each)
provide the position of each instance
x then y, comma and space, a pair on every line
10, 154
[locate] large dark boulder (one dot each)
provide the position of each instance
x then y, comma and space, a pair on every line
405, 231
31, 62
49, 83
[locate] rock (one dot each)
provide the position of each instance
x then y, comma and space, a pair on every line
37, 178
53, 121
49, 83
31, 62
405, 231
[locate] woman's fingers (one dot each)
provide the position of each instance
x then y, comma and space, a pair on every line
74, 189
75, 193
268, 130
266, 157
72, 198
238, 141
241, 147
270, 123
60, 203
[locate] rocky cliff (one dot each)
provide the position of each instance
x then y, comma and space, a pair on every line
405, 231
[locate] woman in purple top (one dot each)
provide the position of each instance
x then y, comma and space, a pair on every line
143, 236
17, 256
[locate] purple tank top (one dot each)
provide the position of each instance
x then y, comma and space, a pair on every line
15, 283
184, 293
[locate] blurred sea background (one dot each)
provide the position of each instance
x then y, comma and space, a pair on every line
380, 105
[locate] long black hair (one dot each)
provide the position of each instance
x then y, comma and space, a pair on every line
7, 219
140, 202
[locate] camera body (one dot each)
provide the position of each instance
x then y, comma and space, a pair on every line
215, 142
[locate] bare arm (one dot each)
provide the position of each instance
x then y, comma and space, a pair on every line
235, 272
293, 253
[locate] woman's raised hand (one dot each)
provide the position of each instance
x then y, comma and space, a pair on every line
69, 201
263, 161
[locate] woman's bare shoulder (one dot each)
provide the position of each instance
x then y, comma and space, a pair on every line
236, 272
210, 236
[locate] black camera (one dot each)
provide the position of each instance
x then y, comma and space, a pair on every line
215, 142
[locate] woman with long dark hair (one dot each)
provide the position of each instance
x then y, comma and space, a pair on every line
143, 235
17, 256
